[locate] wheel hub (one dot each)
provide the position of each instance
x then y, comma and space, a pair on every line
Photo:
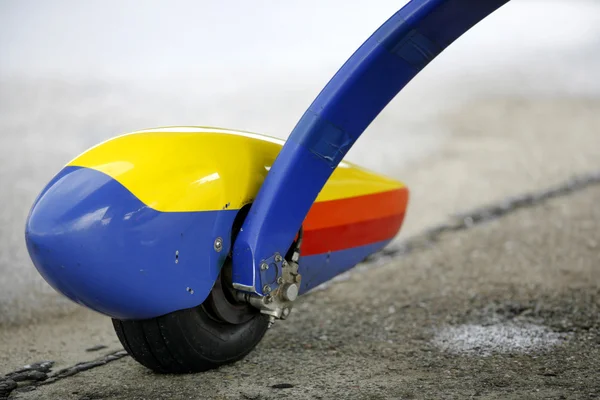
223, 304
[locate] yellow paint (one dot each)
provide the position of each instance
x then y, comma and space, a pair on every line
200, 169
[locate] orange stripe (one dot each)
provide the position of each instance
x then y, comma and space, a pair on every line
344, 237
352, 210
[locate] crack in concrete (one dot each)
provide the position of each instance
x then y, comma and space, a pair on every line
465, 220
34, 375
468, 219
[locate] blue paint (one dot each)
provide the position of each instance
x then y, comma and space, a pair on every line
319, 268
96, 243
250, 243
365, 84
332, 142
416, 49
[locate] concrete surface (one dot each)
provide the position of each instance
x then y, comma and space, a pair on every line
524, 288
428, 324
504, 310
73, 74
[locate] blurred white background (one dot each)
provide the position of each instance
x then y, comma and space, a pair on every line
73, 73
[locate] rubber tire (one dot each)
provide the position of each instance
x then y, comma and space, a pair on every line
189, 340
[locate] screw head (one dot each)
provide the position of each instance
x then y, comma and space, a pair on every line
264, 266
280, 280
269, 299
278, 257
266, 289
218, 244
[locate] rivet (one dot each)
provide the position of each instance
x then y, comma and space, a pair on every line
218, 244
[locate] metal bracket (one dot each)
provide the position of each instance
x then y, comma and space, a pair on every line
281, 286
271, 272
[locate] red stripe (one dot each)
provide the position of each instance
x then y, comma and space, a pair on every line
356, 221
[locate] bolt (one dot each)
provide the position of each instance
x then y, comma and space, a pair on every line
278, 257
218, 244
266, 289
280, 280
290, 292
269, 299
271, 321
284, 263
264, 266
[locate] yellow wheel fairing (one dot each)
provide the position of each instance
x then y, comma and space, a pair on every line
184, 169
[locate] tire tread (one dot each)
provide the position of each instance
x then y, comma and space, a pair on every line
188, 340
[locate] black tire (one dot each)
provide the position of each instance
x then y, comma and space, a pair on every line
218, 332
192, 340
